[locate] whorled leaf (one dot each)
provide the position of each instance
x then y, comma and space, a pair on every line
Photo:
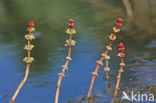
112, 37
31, 47
71, 42
31, 37
70, 31
28, 60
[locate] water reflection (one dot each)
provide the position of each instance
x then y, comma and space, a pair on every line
93, 23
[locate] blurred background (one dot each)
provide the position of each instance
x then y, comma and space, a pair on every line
94, 20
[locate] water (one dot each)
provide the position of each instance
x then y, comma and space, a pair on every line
93, 21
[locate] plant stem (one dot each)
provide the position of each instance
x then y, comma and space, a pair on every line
63, 71
97, 69
119, 76
26, 74
112, 37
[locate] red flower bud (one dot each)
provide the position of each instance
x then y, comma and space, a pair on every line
119, 20
31, 23
123, 55
71, 21
71, 25
118, 25
29, 29
121, 49
117, 32
121, 45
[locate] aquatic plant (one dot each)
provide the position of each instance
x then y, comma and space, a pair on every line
107, 76
28, 60
112, 37
69, 44
122, 55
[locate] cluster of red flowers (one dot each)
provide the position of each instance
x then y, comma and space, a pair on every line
118, 25
31, 24
116, 31
121, 49
71, 23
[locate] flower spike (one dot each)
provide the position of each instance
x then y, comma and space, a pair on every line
69, 44
28, 60
71, 29
112, 37
122, 55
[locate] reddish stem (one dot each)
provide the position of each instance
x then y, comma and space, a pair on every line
95, 73
63, 70
119, 75
97, 69
26, 73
